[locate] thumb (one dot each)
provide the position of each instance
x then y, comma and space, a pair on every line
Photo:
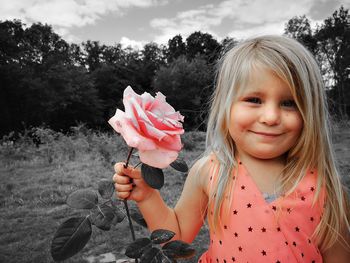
133, 172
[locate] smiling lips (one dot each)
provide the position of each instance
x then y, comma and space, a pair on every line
267, 134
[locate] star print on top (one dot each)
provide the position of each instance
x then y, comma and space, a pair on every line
261, 231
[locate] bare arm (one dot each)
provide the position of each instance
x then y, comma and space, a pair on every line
187, 217
339, 252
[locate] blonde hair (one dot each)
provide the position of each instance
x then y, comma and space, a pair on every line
294, 64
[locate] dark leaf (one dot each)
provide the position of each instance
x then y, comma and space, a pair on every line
119, 215
70, 238
103, 217
180, 165
178, 249
136, 248
152, 255
154, 177
115, 202
106, 188
82, 199
160, 236
136, 215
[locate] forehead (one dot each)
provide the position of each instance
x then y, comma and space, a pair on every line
263, 80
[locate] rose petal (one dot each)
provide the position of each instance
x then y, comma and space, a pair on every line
171, 142
159, 158
131, 136
161, 124
160, 105
115, 120
131, 112
135, 111
130, 93
150, 131
147, 100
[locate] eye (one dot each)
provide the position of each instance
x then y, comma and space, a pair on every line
289, 104
253, 100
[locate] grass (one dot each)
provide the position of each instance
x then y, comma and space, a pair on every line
36, 178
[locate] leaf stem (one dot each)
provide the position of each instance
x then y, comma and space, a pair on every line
125, 201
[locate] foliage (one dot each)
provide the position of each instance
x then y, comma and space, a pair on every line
299, 28
186, 85
44, 79
330, 43
33, 192
333, 41
73, 234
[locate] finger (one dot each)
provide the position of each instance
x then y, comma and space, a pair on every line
123, 195
123, 187
119, 167
121, 179
133, 173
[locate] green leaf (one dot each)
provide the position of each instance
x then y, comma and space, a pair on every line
136, 215
180, 165
152, 255
103, 217
82, 199
178, 249
154, 177
136, 248
71, 237
106, 188
160, 236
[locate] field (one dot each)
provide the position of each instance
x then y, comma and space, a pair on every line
37, 177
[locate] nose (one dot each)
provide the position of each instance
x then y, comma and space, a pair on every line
270, 114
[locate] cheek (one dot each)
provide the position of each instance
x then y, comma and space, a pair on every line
240, 120
295, 123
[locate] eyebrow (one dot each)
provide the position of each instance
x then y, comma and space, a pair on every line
261, 94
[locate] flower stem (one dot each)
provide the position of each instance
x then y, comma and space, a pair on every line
125, 201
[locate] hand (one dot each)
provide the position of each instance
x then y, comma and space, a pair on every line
129, 184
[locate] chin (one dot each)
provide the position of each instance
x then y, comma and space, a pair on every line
267, 156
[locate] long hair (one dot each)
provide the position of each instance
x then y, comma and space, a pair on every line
296, 66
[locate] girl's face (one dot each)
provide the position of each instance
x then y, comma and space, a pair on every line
265, 122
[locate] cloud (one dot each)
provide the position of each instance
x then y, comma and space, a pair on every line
241, 18
324, 8
64, 14
264, 29
126, 42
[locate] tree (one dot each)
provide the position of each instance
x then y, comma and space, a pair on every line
151, 60
93, 51
333, 44
11, 44
226, 44
186, 86
299, 28
43, 47
203, 44
70, 97
176, 48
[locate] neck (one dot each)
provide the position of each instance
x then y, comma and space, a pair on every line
265, 172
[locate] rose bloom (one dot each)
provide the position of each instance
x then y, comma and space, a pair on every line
151, 125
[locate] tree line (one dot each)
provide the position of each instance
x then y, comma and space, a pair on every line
46, 80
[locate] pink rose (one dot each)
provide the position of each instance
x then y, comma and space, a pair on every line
151, 125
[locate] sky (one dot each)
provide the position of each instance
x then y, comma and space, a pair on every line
137, 22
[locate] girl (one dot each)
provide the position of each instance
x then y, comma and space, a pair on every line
267, 182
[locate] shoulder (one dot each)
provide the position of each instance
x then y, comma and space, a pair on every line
203, 169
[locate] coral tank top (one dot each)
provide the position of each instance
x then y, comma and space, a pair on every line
258, 231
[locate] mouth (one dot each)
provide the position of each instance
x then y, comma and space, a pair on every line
267, 134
